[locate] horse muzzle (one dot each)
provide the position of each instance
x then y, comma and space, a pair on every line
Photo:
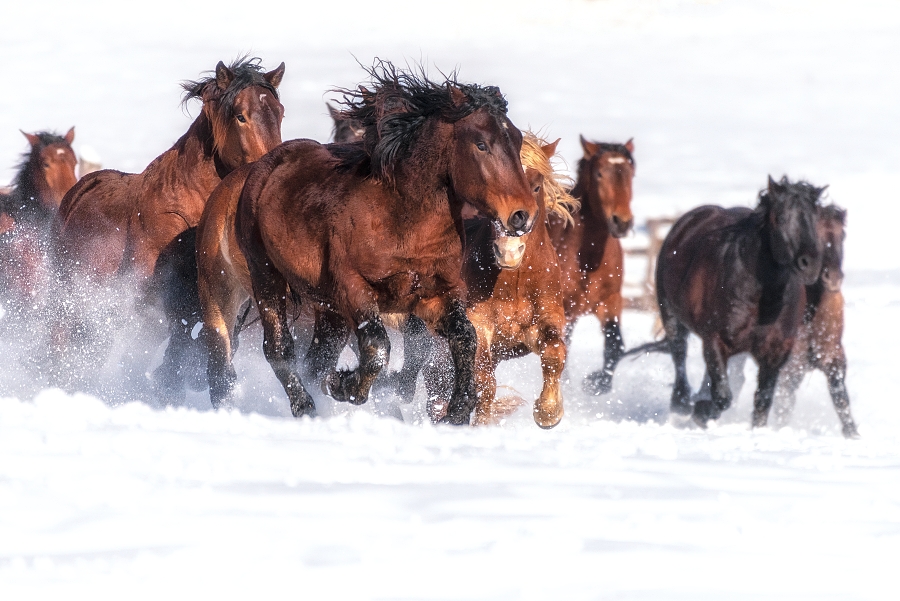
833, 279
810, 268
619, 227
509, 251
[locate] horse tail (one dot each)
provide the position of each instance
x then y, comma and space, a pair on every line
657, 346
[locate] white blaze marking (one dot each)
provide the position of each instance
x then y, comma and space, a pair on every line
616, 160
261, 96
60, 151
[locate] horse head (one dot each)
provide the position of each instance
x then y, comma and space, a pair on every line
346, 129
604, 182
241, 103
485, 166
51, 165
791, 213
830, 226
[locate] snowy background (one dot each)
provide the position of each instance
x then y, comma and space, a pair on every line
115, 498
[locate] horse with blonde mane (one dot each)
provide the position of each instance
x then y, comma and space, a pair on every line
514, 299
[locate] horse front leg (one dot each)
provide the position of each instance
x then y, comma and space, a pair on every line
609, 314
330, 334
353, 386
448, 318
720, 391
676, 335
765, 391
836, 372
548, 408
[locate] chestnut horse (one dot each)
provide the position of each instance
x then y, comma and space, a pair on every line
114, 224
514, 299
590, 254
376, 227
818, 344
46, 173
736, 278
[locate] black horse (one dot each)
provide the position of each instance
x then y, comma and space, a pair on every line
736, 278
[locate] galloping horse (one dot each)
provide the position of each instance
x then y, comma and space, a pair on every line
376, 227
736, 278
114, 224
590, 254
818, 344
46, 173
514, 298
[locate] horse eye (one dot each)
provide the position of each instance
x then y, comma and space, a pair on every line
240, 118
45, 165
537, 189
481, 146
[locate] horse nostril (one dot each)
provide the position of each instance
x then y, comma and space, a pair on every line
617, 221
518, 220
803, 262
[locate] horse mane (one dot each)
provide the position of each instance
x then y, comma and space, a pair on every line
557, 199
584, 163
833, 212
247, 72
23, 196
400, 102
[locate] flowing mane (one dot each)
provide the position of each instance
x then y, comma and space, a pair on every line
557, 198
399, 103
247, 72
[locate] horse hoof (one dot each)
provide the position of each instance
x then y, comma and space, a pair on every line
704, 411
301, 408
336, 386
850, 431
457, 419
681, 407
597, 383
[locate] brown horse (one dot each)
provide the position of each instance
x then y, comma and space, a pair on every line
818, 344
46, 173
376, 227
736, 278
114, 224
590, 254
514, 299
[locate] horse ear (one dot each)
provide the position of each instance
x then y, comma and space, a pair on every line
774, 187
458, 97
224, 76
274, 76
550, 149
32, 139
70, 135
590, 148
630, 145
335, 114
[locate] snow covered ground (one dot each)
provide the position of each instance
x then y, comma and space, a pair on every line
115, 499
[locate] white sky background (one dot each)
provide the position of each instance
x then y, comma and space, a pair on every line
717, 94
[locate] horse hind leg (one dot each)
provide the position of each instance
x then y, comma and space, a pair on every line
765, 392
417, 347
677, 334
330, 334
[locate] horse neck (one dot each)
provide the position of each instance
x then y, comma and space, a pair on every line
423, 179
773, 278
193, 159
586, 218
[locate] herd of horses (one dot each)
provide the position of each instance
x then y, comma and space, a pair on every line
430, 213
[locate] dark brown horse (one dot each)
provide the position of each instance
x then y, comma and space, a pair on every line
46, 173
736, 278
345, 129
514, 300
376, 227
590, 254
818, 344
114, 224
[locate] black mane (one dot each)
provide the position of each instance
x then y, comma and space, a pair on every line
393, 111
247, 72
